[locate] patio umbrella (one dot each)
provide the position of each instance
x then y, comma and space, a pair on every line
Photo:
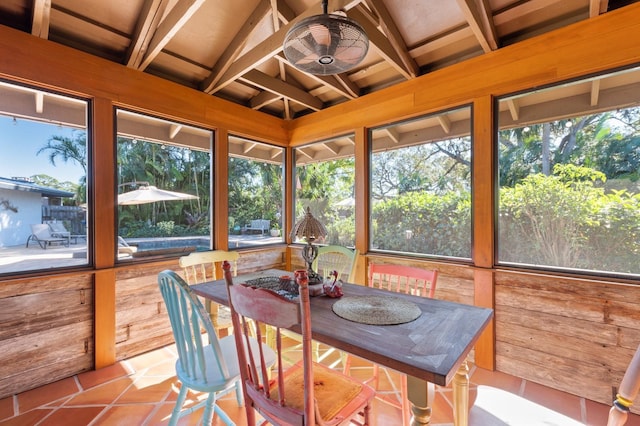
151, 194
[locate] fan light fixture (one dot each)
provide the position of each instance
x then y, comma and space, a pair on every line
326, 44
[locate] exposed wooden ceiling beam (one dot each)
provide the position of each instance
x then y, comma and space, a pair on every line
177, 17
328, 147
514, 108
445, 123
393, 134
262, 99
39, 99
265, 50
41, 18
303, 152
598, 7
340, 83
378, 40
174, 129
522, 9
478, 16
595, 92
286, 90
248, 146
146, 26
390, 28
235, 47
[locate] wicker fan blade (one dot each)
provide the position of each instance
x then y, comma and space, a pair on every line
321, 34
349, 54
312, 57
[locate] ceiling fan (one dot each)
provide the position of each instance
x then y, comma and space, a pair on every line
326, 44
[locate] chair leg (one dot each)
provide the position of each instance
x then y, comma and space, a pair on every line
239, 395
209, 409
175, 414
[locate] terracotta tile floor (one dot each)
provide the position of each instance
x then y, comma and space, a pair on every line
142, 391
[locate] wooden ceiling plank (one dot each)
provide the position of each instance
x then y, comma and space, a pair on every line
481, 23
177, 17
266, 49
379, 41
235, 47
40, 20
390, 28
284, 89
148, 21
442, 41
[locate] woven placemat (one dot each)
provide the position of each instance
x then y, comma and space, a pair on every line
376, 310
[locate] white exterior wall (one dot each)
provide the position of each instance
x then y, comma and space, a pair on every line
15, 228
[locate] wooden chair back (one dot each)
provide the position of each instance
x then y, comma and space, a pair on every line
627, 392
278, 398
336, 258
403, 279
201, 266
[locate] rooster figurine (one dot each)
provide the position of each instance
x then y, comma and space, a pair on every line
332, 285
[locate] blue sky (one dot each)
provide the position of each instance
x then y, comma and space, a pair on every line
19, 144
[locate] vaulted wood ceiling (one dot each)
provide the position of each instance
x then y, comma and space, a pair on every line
233, 48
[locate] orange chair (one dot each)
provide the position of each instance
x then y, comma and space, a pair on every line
307, 393
401, 279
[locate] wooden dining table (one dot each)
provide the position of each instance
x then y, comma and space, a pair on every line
431, 349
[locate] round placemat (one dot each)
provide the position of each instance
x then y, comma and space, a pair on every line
376, 310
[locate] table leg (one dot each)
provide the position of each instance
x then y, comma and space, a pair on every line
420, 395
461, 396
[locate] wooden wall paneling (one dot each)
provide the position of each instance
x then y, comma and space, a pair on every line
273, 257
141, 321
46, 330
576, 335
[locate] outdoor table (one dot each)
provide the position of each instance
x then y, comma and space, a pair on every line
432, 348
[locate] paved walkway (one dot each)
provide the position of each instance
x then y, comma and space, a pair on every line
21, 258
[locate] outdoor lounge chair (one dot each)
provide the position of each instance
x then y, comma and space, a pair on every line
41, 233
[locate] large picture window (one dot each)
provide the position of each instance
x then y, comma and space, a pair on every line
569, 167
324, 182
421, 186
43, 180
256, 188
164, 187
